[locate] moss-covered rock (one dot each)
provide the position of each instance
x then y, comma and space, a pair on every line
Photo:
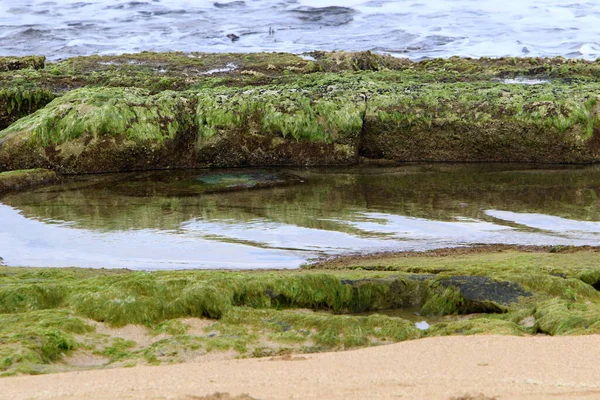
337, 61
25, 179
15, 63
102, 130
469, 295
484, 122
278, 126
51, 312
169, 110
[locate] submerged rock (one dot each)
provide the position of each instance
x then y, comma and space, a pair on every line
470, 294
25, 179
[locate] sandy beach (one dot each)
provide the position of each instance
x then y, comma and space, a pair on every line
476, 367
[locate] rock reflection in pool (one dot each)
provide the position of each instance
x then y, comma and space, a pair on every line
280, 218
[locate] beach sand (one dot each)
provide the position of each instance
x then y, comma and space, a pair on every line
459, 367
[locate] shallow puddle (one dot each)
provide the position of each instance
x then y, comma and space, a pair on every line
282, 218
410, 314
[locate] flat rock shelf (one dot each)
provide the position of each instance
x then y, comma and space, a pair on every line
177, 110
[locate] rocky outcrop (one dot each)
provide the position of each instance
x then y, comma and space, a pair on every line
124, 113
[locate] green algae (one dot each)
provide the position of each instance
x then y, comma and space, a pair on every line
99, 112
484, 122
20, 101
564, 317
477, 325
323, 329
95, 130
277, 109
273, 313
17, 63
281, 112
34, 339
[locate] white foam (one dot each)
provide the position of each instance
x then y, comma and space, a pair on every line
413, 28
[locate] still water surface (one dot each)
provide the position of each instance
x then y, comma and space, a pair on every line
281, 219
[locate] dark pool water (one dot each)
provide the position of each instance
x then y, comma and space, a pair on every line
282, 218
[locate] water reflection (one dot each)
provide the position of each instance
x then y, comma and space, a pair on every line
278, 219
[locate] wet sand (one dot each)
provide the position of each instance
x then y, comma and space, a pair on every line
476, 367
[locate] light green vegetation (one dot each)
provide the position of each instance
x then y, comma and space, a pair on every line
16, 63
105, 112
484, 121
284, 112
563, 284
21, 100
32, 340
279, 109
110, 129
50, 313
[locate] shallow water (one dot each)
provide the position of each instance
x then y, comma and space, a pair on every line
412, 28
281, 219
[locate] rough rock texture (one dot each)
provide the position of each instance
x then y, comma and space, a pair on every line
173, 110
15, 63
484, 122
25, 179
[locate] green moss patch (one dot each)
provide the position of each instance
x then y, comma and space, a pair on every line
16, 63
484, 122
442, 110
99, 130
32, 340
53, 313
118, 113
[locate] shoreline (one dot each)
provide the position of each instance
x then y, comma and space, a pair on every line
480, 367
58, 319
271, 333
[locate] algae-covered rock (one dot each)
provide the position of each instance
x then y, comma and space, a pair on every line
25, 179
484, 122
16, 63
278, 126
19, 101
357, 61
562, 317
170, 110
470, 294
102, 130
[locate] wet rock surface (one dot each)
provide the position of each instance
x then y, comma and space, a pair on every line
481, 289
26, 179
474, 294
177, 110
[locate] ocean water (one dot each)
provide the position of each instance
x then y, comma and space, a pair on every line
408, 28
